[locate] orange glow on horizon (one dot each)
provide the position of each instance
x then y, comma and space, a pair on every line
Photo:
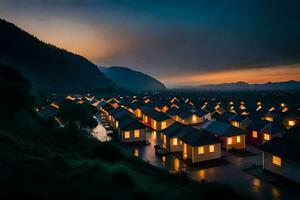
253, 75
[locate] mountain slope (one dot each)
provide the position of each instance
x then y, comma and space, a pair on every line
132, 80
46, 66
288, 85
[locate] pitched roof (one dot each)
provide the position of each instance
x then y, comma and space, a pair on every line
223, 129
286, 146
130, 123
154, 114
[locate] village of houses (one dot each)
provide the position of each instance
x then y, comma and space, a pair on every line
201, 133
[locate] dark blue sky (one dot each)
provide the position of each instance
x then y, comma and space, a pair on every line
170, 39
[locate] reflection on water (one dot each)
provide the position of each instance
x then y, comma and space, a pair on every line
256, 183
201, 174
176, 164
136, 152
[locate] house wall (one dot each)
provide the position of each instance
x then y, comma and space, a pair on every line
288, 169
250, 139
235, 144
132, 138
206, 155
174, 148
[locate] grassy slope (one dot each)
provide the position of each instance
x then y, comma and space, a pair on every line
45, 163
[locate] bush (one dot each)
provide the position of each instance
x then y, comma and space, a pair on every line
108, 152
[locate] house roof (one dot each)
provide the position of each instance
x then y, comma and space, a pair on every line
189, 135
238, 118
223, 129
154, 114
258, 125
130, 123
201, 112
286, 146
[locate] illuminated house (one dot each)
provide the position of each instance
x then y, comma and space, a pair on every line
116, 114
281, 155
114, 102
231, 137
261, 131
240, 121
190, 117
171, 137
160, 106
136, 109
131, 130
290, 118
198, 146
155, 119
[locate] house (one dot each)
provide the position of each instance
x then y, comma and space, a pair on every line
290, 118
281, 155
131, 130
171, 137
231, 136
155, 119
114, 102
187, 116
261, 131
136, 109
199, 146
240, 121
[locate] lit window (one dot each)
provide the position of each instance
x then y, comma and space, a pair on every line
155, 124
267, 136
238, 139
229, 140
200, 150
292, 123
211, 148
254, 134
136, 133
117, 124
163, 125
127, 134
276, 160
236, 124
146, 119
194, 118
175, 142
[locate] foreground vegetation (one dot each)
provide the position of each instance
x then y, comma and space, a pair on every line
40, 160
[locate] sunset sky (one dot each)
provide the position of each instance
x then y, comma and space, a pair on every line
189, 42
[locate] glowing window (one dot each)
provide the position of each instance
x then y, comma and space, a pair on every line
292, 123
127, 134
238, 139
267, 136
146, 119
229, 140
236, 124
117, 124
211, 148
163, 125
200, 150
194, 118
175, 142
254, 134
136, 133
276, 160
155, 124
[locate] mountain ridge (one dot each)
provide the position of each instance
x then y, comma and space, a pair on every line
62, 71
132, 80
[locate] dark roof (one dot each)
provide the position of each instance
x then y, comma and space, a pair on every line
154, 114
197, 137
286, 146
238, 118
130, 123
201, 112
223, 129
224, 117
257, 125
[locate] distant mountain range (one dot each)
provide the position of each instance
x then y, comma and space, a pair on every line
288, 85
132, 80
48, 67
